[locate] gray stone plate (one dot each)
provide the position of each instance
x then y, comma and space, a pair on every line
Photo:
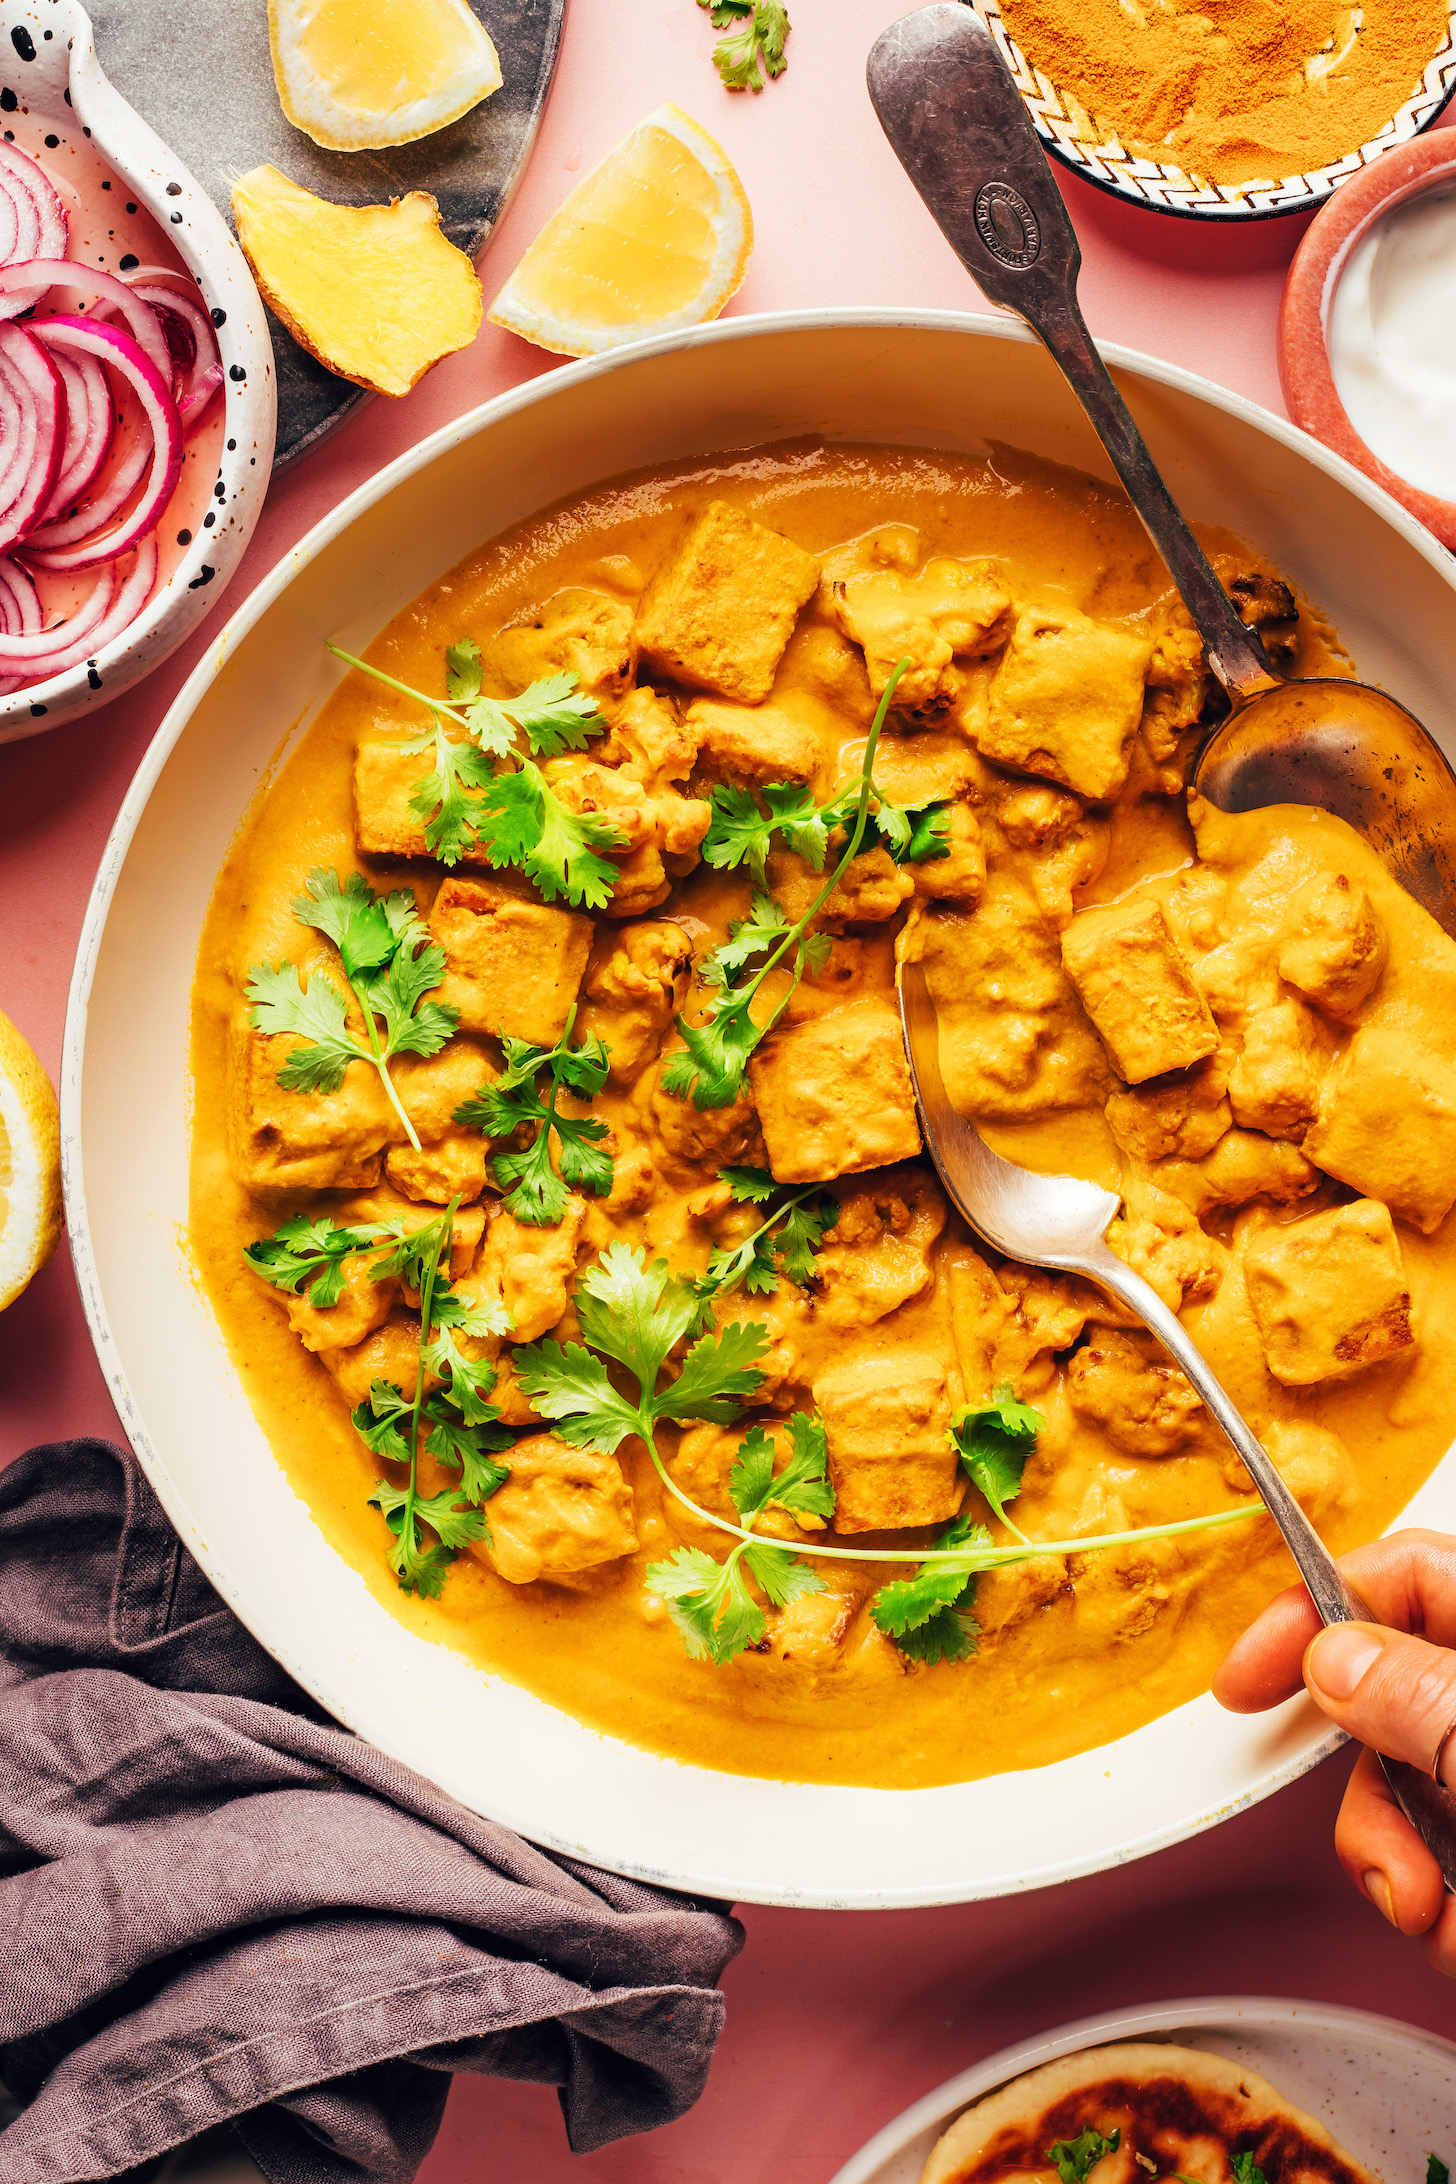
200, 72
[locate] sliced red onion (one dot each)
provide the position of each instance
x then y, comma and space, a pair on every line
90, 424
41, 231
126, 601
34, 405
29, 651
20, 599
195, 383
91, 337
96, 287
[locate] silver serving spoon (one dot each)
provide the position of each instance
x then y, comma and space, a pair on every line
950, 109
954, 116
1060, 1222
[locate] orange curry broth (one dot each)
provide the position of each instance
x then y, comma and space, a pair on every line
1073, 1655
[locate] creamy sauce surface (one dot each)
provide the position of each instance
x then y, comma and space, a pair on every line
1075, 1650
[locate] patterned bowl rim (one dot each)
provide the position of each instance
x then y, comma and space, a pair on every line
1138, 181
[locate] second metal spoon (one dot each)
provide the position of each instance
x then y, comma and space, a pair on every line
950, 109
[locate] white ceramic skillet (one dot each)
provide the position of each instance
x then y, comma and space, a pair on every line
1386, 2091
934, 380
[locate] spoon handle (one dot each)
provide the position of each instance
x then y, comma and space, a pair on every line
1430, 1809
956, 120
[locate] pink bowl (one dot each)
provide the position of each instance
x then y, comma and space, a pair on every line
1304, 357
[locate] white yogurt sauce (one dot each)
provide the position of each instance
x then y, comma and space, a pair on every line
1392, 340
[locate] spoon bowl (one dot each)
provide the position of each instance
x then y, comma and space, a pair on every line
1355, 752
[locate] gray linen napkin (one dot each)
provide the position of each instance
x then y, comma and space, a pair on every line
215, 1904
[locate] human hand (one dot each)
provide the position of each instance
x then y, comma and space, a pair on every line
1392, 1688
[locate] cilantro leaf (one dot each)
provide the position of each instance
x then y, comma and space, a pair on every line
420, 1565
462, 671
551, 715
571, 1387
524, 823
390, 964
635, 1313
348, 915
382, 1422
316, 1013
742, 832
993, 1440
536, 1194
929, 834
908, 1605
709, 1603
802, 1235
1246, 2170
309, 1249
446, 800
717, 1370
466, 1449
713, 1061
1437, 2171
948, 1635
750, 1186
783, 1575
761, 39
1074, 2158
802, 1487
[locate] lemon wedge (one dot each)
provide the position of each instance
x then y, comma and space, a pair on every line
30, 1165
356, 75
656, 237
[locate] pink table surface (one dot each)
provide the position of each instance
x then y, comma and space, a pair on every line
835, 2021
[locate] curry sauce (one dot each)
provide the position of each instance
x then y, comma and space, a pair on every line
1240, 1024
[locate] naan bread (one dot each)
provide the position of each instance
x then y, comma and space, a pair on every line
1180, 2112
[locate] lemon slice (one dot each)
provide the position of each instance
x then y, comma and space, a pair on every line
30, 1165
656, 237
359, 74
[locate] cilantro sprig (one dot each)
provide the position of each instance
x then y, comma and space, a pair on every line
453, 1422
1074, 2159
993, 1440
711, 1066
513, 817
709, 1601
743, 830
928, 1615
634, 1316
535, 1193
389, 963
310, 1251
758, 31
785, 1242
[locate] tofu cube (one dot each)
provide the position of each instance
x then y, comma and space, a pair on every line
303, 1141
385, 778
562, 1509
887, 1423
749, 746
1329, 1294
719, 614
1137, 986
834, 1095
1387, 1124
512, 966
1066, 700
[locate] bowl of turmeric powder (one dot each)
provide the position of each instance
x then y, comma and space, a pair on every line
1226, 109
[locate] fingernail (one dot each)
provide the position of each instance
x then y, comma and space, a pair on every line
1339, 1658
1377, 1888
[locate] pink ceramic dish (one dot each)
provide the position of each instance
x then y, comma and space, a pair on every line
1304, 358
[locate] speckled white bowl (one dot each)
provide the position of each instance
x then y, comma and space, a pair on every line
56, 102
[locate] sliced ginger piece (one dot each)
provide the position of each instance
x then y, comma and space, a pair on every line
375, 292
